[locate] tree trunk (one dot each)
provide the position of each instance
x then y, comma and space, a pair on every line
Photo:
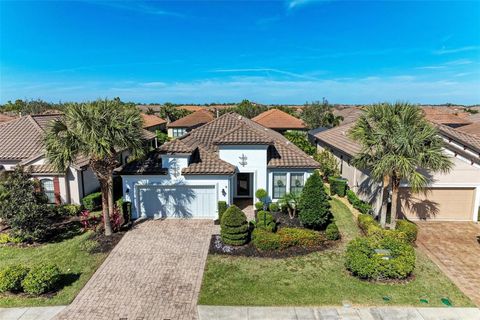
105, 207
110, 196
383, 212
395, 188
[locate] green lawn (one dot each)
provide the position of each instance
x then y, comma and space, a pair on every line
77, 264
318, 279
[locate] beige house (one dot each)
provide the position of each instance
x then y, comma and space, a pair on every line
450, 197
194, 120
21, 144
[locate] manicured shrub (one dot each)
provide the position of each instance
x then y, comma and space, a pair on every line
408, 228
66, 210
394, 259
261, 194
332, 232
259, 205
338, 186
367, 223
265, 221
93, 201
286, 238
313, 204
222, 207
265, 240
4, 238
41, 278
234, 227
357, 203
273, 207
11, 278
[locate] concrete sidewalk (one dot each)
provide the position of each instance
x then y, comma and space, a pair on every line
33, 313
336, 313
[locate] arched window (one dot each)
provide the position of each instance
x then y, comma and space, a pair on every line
48, 189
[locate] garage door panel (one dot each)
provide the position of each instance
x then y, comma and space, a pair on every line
177, 202
438, 203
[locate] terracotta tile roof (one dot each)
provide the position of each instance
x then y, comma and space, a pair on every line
176, 146
193, 120
464, 138
349, 114
150, 120
473, 129
205, 163
205, 140
337, 138
278, 119
44, 169
192, 108
22, 139
440, 115
5, 118
243, 134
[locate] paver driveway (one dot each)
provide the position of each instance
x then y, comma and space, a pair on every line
155, 272
454, 247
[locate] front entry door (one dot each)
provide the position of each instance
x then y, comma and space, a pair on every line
243, 184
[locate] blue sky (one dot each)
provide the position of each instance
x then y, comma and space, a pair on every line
288, 51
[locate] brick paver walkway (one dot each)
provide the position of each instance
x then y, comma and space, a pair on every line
155, 272
454, 247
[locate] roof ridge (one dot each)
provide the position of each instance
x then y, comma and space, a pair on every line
264, 114
35, 124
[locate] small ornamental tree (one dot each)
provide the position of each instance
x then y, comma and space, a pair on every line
23, 206
328, 164
234, 227
313, 204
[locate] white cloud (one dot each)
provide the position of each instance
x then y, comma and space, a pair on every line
364, 90
445, 50
297, 3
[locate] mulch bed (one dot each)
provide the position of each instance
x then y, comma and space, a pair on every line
248, 250
106, 244
283, 220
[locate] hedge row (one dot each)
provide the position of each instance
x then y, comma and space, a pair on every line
338, 185
404, 229
93, 201
357, 203
286, 238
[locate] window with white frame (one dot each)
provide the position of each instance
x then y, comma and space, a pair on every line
48, 189
279, 184
178, 132
296, 182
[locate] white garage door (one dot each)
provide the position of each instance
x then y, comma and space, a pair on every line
177, 201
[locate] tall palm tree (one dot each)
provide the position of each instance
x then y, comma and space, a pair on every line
98, 130
398, 143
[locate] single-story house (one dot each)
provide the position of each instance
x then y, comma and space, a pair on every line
153, 123
226, 159
450, 197
279, 120
194, 120
21, 144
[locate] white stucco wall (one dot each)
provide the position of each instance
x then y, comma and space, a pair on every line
9, 165
131, 184
256, 161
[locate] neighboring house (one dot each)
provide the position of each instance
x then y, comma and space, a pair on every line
446, 116
5, 118
21, 143
194, 120
472, 129
453, 197
226, 159
153, 123
279, 120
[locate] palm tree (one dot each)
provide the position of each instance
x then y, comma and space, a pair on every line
98, 130
398, 143
289, 201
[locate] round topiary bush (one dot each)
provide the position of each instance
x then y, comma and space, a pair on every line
380, 258
234, 227
332, 232
259, 205
41, 278
261, 194
11, 278
266, 221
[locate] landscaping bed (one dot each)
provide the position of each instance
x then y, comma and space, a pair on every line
320, 278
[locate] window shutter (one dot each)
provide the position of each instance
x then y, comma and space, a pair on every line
56, 190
